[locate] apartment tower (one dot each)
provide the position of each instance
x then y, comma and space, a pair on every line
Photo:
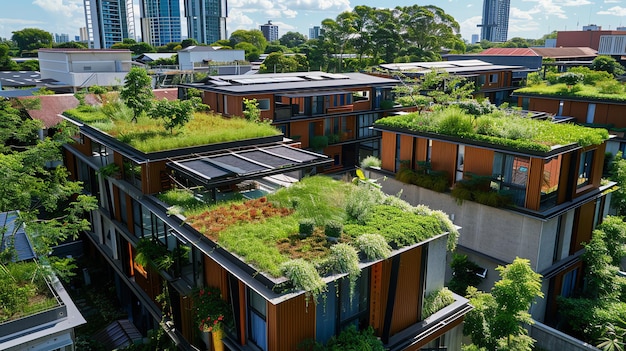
160, 21
109, 22
270, 31
495, 22
206, 20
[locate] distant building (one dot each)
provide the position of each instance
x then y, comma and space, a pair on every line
475, 38
206, 20
109, 22
196, 57
592, 27
314, 32
160, 21
495, 22
84, 36
621, 28
270, 31
61, 38
588, 38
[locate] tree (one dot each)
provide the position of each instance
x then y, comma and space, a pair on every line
254, 37
137, 91
496, 321
6, 64
29, 65
292, 39
134, 46
188, 42
252, 52
277, 62
44, 196
175, 113
32, 39
71, 45
607, 64
251, 110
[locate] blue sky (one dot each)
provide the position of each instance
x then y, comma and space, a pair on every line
528, 18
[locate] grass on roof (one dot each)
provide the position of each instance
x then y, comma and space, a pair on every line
149, 135
497, 128
581, 91
265, 232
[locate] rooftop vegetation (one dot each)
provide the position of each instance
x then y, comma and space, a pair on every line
266, 232
23, 291
150, 135
498, 127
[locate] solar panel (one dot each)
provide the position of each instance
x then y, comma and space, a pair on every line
206, 169
292, 153
267, 158
236, 164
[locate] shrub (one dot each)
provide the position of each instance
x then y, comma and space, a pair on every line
455, 123
370, 161
319, 142
306, 226
351, 339
373, 246
333, 229
436, 300
463, 274
571, 78
304, 276
610, 87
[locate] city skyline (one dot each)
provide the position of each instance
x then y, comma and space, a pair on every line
528, 18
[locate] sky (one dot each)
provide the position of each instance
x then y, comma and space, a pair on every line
527, 19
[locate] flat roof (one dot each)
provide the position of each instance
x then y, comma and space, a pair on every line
455, 66
285, 82
16, 236
19, 78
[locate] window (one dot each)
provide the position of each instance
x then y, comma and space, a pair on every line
493, 78
569, 283
366, 121
363, 95
398, 160
510, 174
460, 155
585, 168
591, 111
264, 104
258, 325
132, 172
429, 149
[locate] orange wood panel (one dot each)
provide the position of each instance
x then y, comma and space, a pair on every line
478, 160
533, 186
186, 318
70, 164
583, 226
376, 301
443, 157
151, 176
598, 164
406, 147
577, 109
242, 312
116, 203
563, 191
602, 114
546, 105
406, 309
422, 148
85, 147
615, 115
301, 129
215, 275
388, 151
289, 323
211, 99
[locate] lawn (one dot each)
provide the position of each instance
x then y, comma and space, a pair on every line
581, 91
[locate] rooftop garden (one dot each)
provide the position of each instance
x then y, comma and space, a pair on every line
148, 134
286, 233
497, 127
578, 82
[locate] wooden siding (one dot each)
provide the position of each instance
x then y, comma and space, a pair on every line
422, 149
377, 309
301, 129
564, 177
601, 115
289, 323
478, 160
215, 275
443, 157
615, 115
576, 109
388, 151
546, 105
583, 226
70, 164
151, 176
407, 304
598, 165
188, 325
535, 180
406, 150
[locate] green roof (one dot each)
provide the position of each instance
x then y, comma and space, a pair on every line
581, 92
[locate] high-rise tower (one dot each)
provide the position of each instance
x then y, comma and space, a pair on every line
206, 20
109, 22
495, 23
270, 31
160, 21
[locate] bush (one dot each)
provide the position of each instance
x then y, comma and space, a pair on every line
306, 226
333, 229
304, 276
571, 78
463, 274
610, 87
370, 161
318, 142
437, 300
373, 246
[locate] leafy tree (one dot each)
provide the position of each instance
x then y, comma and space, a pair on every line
164, 61
292, 39
71, 45
464, 274
496, 321
251, 110
252, 52
6, 64
276, 48
175, 113
32, 39
137, 92
188, 42
254, 37
618, 174
277, 62
607, 64
134, 46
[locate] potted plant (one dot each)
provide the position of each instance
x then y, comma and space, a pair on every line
211, 310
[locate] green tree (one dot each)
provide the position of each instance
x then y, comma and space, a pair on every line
607, 64
71, 45
137, 91
188, 42
277, 62
618, 174
175, 113
496, 321
6, 63
254, 37
252, 52
251, 110
292, 39
32, 39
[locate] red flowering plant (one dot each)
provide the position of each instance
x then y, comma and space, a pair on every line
210, 308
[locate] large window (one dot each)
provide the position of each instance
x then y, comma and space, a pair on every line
132, 172
460, 159
258, 314
510, 174
366, 121
585, 168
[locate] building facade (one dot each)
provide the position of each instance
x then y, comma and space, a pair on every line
314, 32
206, 20
495, 22
160, 21
270, 31
109, 22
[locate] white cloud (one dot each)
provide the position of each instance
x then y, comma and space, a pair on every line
67, 16
519, 14
67, 8
615, 11
612, 1
469, 27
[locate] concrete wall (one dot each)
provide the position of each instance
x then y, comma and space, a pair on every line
436, 264
552, 339
186, 59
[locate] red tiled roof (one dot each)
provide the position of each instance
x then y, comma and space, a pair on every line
169, 93
51, 107
509, 52
568, 52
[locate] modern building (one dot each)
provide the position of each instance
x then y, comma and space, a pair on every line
204, 56
327, 112
160, 21
556, 197
61, 38
84, 36
475, 38
590, 27
270, 31
266, 311
584, 38
314, 32
109, 22
495, 22
206, 20
76, 68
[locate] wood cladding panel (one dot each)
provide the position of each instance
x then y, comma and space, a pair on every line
535, 179
422, 149
215, 275
406, 307
601, 115
151, 176
546, 105
186, 317
598, 165
301, 129
70, 164
478, 160
563, 192
406, 147
443, 157
584, 216
388, 151
615, 115
289, 323
577, 109
376, 301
